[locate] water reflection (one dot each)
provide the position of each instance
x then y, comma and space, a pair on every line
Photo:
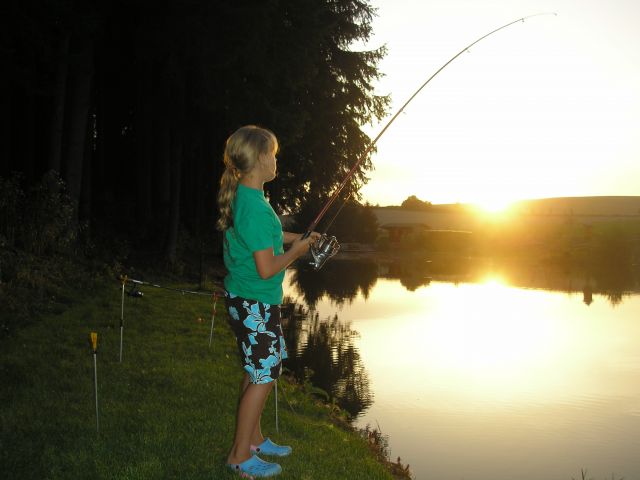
335, 282
613, 280
480, 368
342, 280
323, 353
411, 273
478, 380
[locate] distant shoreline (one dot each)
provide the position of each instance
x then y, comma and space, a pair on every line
607, 205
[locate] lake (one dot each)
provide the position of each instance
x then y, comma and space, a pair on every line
476, 369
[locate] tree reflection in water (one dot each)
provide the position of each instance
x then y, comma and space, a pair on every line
323, 353
614, 281
339, 284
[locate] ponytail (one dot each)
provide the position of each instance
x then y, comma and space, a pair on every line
226, 194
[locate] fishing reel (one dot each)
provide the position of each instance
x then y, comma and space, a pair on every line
322, 250
134, 292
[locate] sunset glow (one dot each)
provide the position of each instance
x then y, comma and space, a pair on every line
545, 108
493, 206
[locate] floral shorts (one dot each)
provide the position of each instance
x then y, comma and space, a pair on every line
256, 326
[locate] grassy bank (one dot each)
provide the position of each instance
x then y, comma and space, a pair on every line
166, 411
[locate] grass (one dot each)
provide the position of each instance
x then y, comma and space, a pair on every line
166, 411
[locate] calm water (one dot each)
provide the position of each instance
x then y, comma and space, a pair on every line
477, 371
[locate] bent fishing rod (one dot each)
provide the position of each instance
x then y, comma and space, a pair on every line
326, 247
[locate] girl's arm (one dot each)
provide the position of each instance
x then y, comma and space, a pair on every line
269, 264
289, 237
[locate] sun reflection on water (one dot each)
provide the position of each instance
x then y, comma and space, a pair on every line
488, 341
479, 380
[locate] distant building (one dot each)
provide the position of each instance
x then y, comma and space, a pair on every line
458, 241
398, 230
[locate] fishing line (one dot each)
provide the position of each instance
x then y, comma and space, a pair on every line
126, 279
136, 293
214, 299
328, 246
333, 219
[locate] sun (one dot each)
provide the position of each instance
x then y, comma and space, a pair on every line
493, 206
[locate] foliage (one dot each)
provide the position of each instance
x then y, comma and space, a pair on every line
379, 444
167, 82
44, 257
414, 203
11, 201
47, 224
418, 241
348, 221
383, 243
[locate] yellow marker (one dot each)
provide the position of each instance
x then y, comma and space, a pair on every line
94, 341
93, 338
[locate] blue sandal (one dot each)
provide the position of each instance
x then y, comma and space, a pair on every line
269, 448
255, 467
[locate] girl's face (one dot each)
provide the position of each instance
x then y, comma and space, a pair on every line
268, 163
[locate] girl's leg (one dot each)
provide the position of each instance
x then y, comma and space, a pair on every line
256, 437
249, 411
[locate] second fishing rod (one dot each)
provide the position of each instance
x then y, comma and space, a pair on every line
326, 247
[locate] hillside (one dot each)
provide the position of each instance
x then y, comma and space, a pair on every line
544, 210
601, 205
611, 205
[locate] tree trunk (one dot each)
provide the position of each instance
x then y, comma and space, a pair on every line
144, 145
177, 152
86, 192
57, 113
26, 147
162, 170
81, 72
5, 114
99, 178
174, 211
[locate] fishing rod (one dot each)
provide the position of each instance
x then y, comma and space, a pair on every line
326, 247
126, 279
136, 293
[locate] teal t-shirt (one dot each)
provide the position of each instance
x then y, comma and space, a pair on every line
255, 227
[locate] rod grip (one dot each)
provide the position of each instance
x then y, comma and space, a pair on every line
305, 234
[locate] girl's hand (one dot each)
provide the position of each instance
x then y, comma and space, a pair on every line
268, 264
289, 238
315, 236
301, 245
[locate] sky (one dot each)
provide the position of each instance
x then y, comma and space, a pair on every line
545, 108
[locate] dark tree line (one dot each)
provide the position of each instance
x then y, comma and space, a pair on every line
414, 203
131, 101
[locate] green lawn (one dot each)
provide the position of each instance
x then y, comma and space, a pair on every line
166, 411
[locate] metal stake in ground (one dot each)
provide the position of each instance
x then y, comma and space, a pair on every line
213, 317
124, 281
94, 347
276, 402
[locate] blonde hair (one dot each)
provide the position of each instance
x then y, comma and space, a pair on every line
241, 153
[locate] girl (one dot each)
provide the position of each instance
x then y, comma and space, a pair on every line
255, 260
